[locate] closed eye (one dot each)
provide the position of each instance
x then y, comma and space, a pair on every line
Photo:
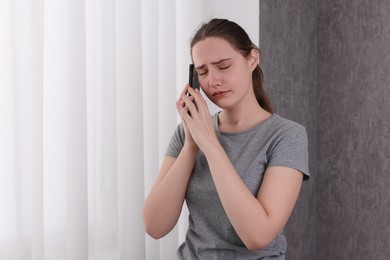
201, 72
224, 67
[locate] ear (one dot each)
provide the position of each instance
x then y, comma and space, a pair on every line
253, 58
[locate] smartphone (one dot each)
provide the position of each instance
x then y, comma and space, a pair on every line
193, 77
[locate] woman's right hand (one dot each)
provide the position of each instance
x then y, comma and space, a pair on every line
189, 141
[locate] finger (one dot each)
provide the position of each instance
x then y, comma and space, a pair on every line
183, 112
192, 91
181, 102
199, 101
190, 105
197, 91
185, 90
183, 93
194, 95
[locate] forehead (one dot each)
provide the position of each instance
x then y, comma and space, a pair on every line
212, 49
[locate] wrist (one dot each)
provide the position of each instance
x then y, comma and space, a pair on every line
212, 148
190, 147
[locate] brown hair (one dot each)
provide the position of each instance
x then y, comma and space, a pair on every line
239, 39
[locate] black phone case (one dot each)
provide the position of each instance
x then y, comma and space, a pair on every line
193, 77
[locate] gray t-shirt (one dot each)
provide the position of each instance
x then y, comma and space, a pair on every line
210, 235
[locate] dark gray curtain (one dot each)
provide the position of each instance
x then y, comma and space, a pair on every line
327, 66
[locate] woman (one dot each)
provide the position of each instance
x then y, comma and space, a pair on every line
240, 170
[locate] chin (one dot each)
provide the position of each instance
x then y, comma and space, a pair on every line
224, 105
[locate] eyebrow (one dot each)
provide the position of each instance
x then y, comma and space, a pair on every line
213, 63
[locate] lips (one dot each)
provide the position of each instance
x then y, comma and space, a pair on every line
220, 93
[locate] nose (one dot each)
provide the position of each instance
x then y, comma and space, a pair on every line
214, 78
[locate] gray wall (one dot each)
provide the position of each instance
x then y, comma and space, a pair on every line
327, 66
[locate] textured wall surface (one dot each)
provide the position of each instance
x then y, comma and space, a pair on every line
327, 66
289, 44
353, 184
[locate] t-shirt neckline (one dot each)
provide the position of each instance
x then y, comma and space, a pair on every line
258, 125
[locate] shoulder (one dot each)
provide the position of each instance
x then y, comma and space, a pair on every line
278, 127
287, 136
289, 145
284, 124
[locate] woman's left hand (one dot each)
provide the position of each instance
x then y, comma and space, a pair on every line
198, 119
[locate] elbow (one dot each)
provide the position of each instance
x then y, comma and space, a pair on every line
254, 246
156, 230
258, 243
154, 233
257, 239
152, 227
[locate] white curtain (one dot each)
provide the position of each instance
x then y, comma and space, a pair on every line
87, 107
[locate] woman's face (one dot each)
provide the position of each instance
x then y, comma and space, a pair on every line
224, 73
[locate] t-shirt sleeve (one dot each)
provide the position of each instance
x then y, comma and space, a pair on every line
290, 149
176, 143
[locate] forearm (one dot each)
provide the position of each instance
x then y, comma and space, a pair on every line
247, 215
163, 206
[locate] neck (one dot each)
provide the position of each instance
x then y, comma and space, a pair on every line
241, 118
